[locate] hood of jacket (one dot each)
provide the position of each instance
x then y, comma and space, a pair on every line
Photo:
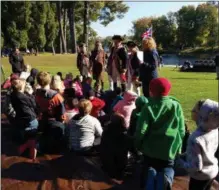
208, 116
130, 97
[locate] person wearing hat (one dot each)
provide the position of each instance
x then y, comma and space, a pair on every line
117, 62
133, 68
17, 62
97, 59
159, 134
83, 63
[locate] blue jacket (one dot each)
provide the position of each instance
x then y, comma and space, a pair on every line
148, 70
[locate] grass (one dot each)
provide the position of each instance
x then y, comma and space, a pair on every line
186, 87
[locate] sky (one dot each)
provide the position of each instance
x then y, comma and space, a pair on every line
137, 10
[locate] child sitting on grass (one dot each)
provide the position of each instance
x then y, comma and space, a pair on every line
159, 135
57, 84
68, 80
126, 106
119, 96
71, 105
83, 131
200, 161
31, 79
114, 147
25, 118
50, 102
77, 86
86, 86
97, 104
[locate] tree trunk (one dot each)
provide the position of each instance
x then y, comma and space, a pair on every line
60, 44
86, 16
59, 9
65, 25
71, 16
53, 49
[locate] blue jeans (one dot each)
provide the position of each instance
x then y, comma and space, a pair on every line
159, 174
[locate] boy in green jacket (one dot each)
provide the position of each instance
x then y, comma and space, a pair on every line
159, 134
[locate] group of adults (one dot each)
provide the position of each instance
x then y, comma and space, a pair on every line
122, 66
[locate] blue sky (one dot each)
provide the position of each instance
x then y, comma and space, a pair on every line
137, 10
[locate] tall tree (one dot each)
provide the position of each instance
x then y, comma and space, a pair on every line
71, 17
51, 27
86, 22
37, 37
61, 32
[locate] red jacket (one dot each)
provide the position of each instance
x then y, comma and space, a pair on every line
98, 105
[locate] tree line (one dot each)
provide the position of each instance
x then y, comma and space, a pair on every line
55, 26
189, 27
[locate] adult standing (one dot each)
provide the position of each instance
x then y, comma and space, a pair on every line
83, 62
97, 59
133, 68
17, 62
148, 70
117, 62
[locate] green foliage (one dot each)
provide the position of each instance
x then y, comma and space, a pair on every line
188, 27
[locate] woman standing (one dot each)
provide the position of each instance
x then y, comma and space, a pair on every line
17, 62
97, 61
83, 63
133, 65
148, 70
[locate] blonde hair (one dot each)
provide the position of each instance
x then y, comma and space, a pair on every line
18, 84
43, 78
84, 106
149, 43
56, 83
28, 68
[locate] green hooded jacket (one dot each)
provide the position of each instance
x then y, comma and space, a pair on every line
161, 128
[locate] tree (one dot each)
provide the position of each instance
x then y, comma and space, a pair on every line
111, 11
186, 18
38, 20
2, 40
140, 26
86, 21
51, 26
16, 22
71, 17
61, 32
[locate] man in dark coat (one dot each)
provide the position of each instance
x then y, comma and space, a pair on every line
117, 63
133, 65
17, 62
97, 59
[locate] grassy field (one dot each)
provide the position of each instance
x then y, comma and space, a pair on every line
187, 87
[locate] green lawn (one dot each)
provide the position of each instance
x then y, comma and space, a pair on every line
187, 87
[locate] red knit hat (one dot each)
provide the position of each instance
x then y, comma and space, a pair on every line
160, 87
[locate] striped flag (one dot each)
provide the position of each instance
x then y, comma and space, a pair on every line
147, 34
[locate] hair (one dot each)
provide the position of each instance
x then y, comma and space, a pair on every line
56, 83
17, 84
84, 106
149, 44
198, 105
117, 124
43, 78
60, 74
118, 90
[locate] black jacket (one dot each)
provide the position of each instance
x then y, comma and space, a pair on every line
135, 63
121, 60
17, 63
24, 106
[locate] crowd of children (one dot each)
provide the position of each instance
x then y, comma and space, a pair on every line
53, 114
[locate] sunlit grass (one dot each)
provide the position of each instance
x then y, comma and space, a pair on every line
186, 87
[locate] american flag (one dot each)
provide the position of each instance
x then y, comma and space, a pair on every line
147, 34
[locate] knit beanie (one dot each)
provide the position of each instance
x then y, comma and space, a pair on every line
160, 87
